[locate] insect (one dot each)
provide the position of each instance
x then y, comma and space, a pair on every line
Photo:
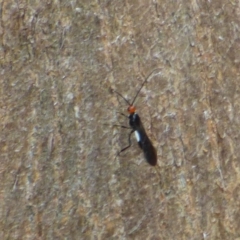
137, 128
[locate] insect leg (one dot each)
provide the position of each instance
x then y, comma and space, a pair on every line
123, 114
129, 145
121, 126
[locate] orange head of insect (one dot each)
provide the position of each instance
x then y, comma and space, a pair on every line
131, 109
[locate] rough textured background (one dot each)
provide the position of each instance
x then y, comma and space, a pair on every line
59, 178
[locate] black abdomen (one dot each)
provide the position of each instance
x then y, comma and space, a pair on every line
149, 151
144, 142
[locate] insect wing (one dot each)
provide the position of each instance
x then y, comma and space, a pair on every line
149, 151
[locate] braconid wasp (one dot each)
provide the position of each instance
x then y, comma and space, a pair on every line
137, 128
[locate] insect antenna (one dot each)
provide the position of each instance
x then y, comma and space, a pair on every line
123, 97
143, 85
131, 104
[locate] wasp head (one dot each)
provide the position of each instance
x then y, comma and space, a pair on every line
131, 109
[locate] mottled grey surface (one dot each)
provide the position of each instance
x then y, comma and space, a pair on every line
59, 175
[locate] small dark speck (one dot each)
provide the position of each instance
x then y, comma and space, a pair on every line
97, 20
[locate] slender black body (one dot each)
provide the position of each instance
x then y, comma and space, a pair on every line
144, 142
136, 125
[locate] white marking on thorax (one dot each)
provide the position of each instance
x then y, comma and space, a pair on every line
137, 136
